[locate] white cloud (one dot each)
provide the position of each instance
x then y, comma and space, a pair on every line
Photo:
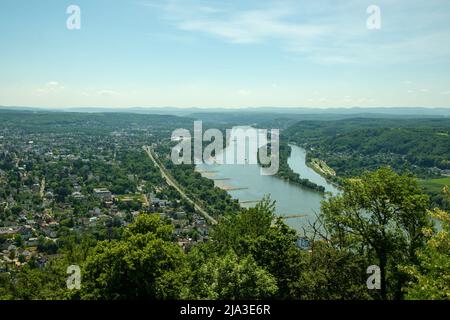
254, 26
347, 99
108, 93
53, 84
49, 88
321, 32
243, 92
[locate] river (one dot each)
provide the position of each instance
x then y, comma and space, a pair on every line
245, 183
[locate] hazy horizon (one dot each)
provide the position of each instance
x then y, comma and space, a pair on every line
267, 109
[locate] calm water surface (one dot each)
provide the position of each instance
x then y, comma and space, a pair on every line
245, 183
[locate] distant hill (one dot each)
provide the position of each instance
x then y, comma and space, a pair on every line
354, 145
282, 111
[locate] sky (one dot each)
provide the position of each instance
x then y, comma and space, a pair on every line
229, 53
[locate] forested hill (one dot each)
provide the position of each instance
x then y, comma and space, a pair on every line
57, 122
354, 145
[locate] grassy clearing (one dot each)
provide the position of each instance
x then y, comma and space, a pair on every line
434, 185
130, 197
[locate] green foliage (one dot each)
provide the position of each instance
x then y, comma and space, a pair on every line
228, 277
6, 286
431, 276
32, 283
352, 146
18, 241
153, 224
144, 264
434, 188
259, 233
329, 273
381, 214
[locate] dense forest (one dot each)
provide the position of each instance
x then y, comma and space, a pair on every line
161, 126
352, 146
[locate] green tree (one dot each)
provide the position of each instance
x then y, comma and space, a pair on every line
431, 277
6, 286
227, 277
18, 240
381, 213
28, 283
144, 264
331, 274
260, 233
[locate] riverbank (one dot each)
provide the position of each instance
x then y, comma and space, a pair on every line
323, 174
286, 173
249, 187
314, 174
321, 167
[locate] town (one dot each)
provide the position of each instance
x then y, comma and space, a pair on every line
53, 186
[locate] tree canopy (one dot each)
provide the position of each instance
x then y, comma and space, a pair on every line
381, 215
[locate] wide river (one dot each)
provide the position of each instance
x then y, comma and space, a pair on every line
245, 183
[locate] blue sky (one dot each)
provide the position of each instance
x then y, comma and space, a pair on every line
247, 53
